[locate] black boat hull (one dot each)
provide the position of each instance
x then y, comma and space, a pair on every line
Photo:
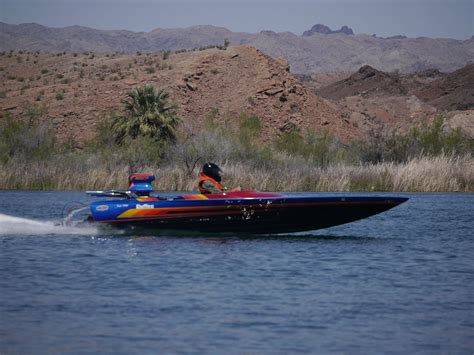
261, 216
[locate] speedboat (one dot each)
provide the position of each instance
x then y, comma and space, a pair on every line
240, 211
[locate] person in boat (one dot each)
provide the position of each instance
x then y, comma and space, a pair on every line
210, 180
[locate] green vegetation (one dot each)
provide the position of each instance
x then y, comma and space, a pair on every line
26, 141
150, 70
147, 113
426, 140
145, 136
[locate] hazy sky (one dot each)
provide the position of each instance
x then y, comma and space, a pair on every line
432, 18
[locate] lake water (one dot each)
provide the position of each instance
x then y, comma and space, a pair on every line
399, 282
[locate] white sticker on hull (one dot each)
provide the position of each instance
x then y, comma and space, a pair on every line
144, 207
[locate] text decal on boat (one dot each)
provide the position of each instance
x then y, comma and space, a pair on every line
102, 208
144, 207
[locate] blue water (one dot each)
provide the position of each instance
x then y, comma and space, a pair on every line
399, 282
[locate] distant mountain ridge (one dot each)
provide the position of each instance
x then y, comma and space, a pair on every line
319, 49
325, 30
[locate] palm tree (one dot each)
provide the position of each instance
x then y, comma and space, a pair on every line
146, 113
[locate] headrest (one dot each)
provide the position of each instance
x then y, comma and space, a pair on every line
141, 178
141, 183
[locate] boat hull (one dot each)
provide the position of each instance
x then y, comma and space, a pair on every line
265, 215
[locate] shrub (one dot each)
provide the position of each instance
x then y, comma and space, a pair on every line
25, 141
429, 139
34, 111
319, 149
249, 131
104, 137
147, 113
291, 142
206, 145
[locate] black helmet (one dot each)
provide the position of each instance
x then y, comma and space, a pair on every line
213, 171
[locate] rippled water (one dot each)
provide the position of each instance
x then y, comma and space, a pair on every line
402, 281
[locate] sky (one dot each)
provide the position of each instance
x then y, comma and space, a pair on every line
413, 18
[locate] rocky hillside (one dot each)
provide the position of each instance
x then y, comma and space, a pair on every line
319, 49
378, 100
366, 80
80, 90
445, 91
454, 91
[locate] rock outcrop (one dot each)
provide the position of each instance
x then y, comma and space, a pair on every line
378, 101
325, 30
454, 91
366, 81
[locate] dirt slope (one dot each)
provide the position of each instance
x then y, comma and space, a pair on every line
81, 90
454, 91
377, 101
366, 81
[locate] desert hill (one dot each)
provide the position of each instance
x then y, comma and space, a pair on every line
81, 90
453, 91
445, 91
378, 100
367, 81
319, 49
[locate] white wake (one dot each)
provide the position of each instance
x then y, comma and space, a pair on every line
10, 225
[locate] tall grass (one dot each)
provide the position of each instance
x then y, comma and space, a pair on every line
423, 174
